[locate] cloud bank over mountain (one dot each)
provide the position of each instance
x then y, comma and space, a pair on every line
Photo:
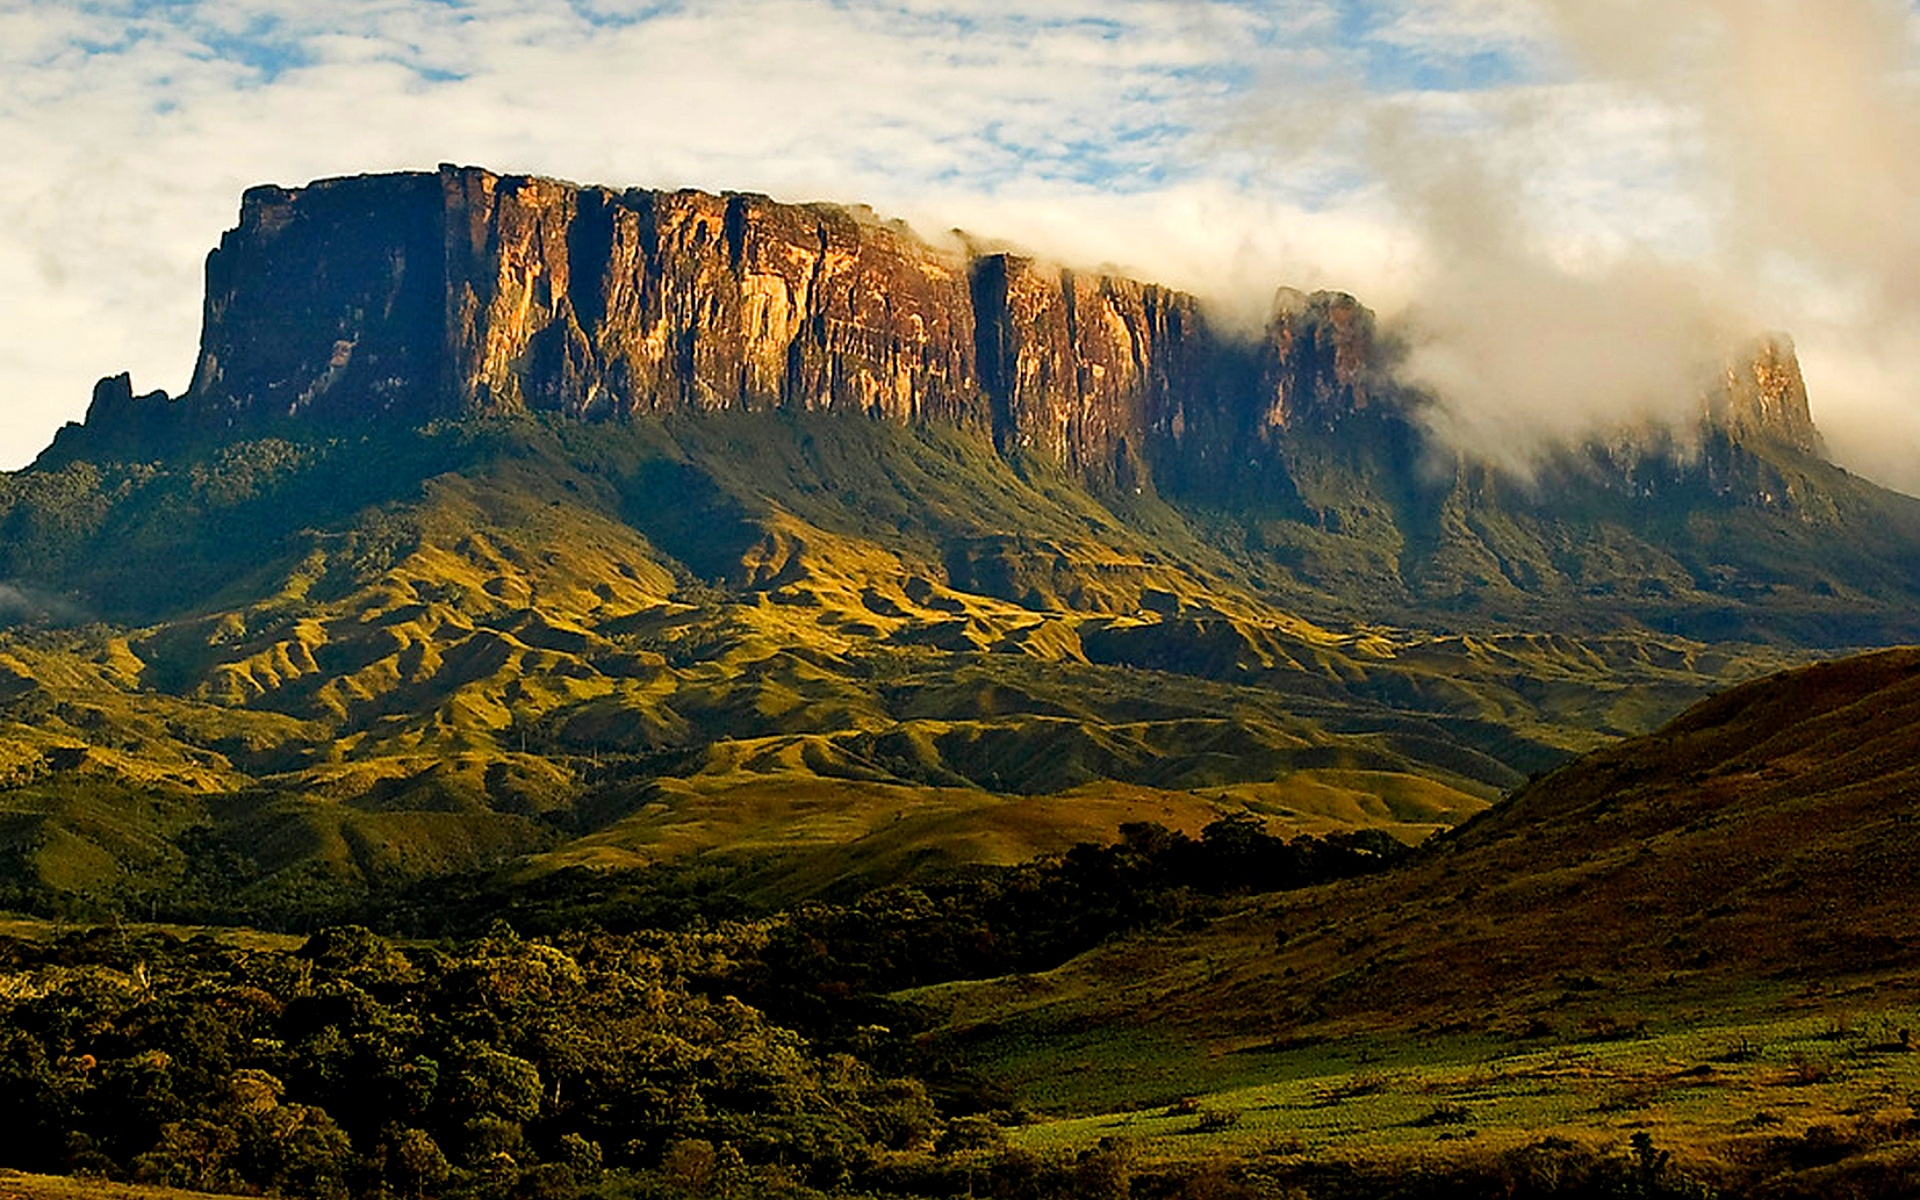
1567, 212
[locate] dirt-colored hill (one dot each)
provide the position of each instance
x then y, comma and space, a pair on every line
1757, 849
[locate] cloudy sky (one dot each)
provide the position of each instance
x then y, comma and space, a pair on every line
1573, 208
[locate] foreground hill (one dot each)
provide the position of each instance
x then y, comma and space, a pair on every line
1751, 854
509, 527
1491, 1017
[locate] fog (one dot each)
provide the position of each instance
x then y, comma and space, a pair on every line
1523, 350
1808, 121
1570, 210
1766, 183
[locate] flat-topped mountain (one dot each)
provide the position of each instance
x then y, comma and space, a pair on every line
462, 293
397, 300
514, 525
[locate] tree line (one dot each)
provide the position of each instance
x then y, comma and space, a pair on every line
715, 1054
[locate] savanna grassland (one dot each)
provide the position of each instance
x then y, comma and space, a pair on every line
288, 678
1043, 858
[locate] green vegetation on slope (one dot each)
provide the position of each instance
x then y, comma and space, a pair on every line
1746, 860
323, 671
1544, 1002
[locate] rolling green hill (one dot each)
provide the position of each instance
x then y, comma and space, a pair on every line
1678, 966
1750, 857
510, 527
608, 645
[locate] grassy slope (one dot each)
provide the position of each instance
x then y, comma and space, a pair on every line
1730, 541
1700, 926
575, 648
1823, 1092
18, 1185
833, 641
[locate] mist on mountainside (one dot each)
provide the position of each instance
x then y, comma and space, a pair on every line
1806, 120
1592, 245
1572, 238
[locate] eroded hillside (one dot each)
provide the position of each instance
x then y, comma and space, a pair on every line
514, 526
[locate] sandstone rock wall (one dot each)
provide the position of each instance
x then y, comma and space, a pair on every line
1764, 395
1089, 371
1320, 360
324, 302
593, 302
462, 292
465, 292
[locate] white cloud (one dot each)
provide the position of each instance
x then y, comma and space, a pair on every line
1548, 165
1629, 190
132, 128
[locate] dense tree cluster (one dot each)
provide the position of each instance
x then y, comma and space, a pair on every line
825, 965
357, 1066
721, 1057
742, 1061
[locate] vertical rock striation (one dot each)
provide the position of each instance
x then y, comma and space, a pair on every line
592, 302
1321, 363
1087, 371
1764, 396
325, 302
461, 293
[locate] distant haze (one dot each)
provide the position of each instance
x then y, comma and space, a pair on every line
1571, 211
1801, 122
1663, 181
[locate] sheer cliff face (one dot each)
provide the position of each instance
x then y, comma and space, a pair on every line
1321, 362
465, 292
592, 302
460, 292
326, 301
1090, 371
1764, 395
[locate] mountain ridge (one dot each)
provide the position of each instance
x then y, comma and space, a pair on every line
823, 571
463, 293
